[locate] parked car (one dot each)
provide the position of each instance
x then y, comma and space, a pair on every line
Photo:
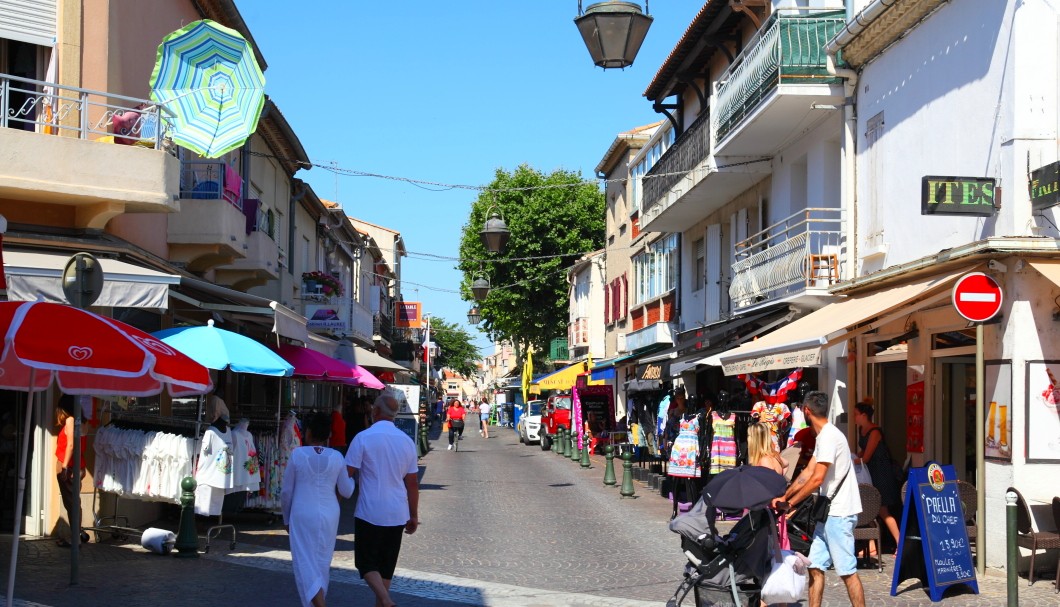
554, 416
530, 422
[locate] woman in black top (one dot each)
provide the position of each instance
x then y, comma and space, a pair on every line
873, 451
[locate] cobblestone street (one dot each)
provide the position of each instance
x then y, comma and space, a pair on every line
502, 525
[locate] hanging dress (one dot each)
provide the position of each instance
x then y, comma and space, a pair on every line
723, 447
214, 473
684, 454
773, 415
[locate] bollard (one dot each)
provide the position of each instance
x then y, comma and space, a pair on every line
627, 475
561, 436
424, 446
586, 463
555, 443
575, 452
187, 538
1012, 573
609, 467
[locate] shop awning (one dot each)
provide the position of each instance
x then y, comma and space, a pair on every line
800, 343
1048, 269
602, 374
310, 364
563, 379
328, 347
285, 321
371, 360
32, 275
728, 336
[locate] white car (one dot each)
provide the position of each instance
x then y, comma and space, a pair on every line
530, 422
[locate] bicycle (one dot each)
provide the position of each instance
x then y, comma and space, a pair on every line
456, 431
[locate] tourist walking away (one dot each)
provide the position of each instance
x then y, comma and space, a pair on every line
760, 452
484, 418
829, 473
455, 415
383, 461
64, 461
874, 452
314, 477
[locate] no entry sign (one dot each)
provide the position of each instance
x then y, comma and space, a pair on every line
977, 297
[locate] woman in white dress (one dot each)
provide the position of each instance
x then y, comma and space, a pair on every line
314, 480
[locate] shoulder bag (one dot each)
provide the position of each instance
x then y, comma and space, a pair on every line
814, 509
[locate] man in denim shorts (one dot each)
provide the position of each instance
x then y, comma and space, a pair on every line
829, 471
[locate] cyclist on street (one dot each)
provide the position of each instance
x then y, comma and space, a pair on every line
455, 415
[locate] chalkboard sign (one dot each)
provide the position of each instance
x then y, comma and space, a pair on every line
406, 425
933, 545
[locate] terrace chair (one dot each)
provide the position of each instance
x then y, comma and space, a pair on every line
970, 503
868, 528
1027, 537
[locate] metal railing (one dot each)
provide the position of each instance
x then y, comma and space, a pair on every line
691, 148
382, 326
788, 47
54, 109
205, 180
800, 252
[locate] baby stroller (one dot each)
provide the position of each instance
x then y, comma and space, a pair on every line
726, 570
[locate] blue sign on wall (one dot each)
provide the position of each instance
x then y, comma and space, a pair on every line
933, 545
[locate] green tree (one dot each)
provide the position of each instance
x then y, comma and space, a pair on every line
553, 219
455, 348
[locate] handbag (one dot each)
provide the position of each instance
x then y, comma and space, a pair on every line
861, 473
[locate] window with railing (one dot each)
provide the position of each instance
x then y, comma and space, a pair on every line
643, 164
655, 270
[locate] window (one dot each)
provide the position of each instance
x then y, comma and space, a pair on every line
700, 266
644, 163
655, 270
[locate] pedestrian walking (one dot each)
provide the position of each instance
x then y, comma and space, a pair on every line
314, 477
484, 417
455, 415
383, 461
64, 458
828, 472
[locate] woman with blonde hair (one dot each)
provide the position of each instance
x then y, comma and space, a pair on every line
761, 452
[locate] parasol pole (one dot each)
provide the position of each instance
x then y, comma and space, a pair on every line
75, 516
21, 490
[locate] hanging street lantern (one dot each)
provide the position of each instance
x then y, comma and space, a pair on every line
613, 31
473, 315
480, 288
495, 233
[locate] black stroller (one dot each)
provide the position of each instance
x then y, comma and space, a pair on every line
728, 570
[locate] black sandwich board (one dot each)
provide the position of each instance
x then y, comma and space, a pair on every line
933, 545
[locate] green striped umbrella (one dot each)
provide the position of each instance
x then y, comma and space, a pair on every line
208, 78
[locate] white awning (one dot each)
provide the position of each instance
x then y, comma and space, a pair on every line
800, 343
285, 321
32, 275
367, 358
325, 346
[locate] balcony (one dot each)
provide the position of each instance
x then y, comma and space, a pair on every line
657, 333
771, 88
688, 182
382, 328
95, 152
261, 255
799, 257
362, 325
211, 229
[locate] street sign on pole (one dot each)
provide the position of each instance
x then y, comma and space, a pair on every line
977, 297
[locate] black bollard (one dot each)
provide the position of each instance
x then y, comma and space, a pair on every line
187, 538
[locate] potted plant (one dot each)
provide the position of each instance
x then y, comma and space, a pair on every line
328, 284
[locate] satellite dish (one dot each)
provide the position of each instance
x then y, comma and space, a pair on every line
82, 280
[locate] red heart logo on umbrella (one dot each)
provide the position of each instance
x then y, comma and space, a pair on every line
79, 353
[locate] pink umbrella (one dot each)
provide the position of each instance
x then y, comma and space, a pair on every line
364, 378
85, 354
314, 365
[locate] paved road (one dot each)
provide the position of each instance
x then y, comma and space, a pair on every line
503, 525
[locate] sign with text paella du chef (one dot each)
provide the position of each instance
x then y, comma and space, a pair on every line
933, 543
408, 315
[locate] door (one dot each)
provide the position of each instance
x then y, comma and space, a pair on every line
955, 412
888, 389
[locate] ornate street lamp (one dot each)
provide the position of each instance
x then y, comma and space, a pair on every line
480, 287
473, 315
613, 31
495, 232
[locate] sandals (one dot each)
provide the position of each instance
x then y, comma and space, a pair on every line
62, 543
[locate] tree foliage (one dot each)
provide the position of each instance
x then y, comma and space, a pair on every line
529, 301
456, 350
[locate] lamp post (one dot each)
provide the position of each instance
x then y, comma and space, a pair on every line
473, 315
613, 31
495, 232
480, 287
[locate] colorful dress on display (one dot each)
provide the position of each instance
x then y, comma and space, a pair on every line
723, 447
684, 454
214, 471
245, 456
772, 415
798, 422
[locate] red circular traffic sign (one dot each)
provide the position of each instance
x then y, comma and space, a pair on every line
977, 297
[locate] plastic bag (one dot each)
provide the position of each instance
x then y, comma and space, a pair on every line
784, 584
445, 426
861, 472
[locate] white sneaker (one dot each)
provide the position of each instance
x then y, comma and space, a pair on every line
450, 448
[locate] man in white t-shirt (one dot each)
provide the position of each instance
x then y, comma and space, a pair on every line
830, 472
383, 461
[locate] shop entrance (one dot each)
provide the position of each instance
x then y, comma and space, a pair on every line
955, 395
888, 381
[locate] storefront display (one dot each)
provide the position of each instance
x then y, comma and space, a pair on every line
998, 400
1043, 412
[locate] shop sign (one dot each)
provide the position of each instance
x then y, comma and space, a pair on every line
659, 371
407, 315
933, 543
330, 317
1045, 186
807, 357
957, 196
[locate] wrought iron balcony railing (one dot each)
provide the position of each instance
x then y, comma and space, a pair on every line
789, 49
54, 109
690, 149
801, 252
210, 180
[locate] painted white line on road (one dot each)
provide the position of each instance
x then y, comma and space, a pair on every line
437, 586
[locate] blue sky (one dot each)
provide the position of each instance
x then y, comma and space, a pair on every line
446, 92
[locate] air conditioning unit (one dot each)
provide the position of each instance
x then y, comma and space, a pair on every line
622, 342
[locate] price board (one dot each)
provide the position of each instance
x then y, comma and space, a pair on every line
933, 545
407, 424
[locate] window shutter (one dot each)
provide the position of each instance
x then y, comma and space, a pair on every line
714, 261
607, 304
624, 294
30, 21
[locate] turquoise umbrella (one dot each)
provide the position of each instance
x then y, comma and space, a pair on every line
216, 348
206, 75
